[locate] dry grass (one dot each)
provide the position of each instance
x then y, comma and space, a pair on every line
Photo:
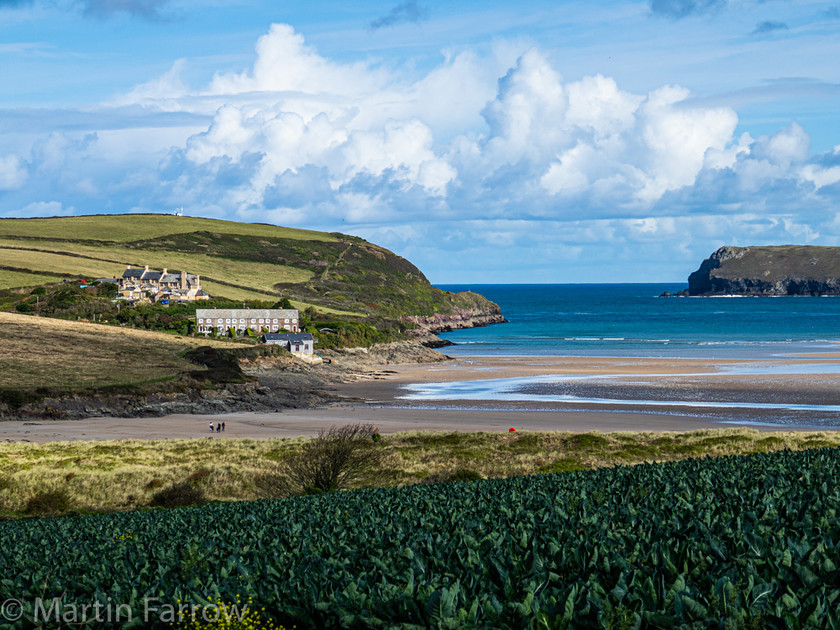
135, 227
119, 475
42, 352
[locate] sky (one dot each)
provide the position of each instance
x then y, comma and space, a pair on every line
487, 142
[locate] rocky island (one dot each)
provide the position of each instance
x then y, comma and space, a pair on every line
769, 270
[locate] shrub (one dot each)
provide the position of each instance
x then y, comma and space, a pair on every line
48, 502
199, 475
334, 459
178, 495
459, 474
274, 484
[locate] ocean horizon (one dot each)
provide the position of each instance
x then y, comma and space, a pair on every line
632, 320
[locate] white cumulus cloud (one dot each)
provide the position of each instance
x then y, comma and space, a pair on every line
13, 172
486, 151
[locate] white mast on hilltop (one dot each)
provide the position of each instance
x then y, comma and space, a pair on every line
179, 212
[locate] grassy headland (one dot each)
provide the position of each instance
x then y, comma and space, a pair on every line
62, 477
237, 261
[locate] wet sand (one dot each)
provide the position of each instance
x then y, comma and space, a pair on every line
378, 399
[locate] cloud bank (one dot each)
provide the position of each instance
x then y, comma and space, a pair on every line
481, 154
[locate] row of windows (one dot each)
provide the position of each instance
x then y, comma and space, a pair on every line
242, 321
239, 326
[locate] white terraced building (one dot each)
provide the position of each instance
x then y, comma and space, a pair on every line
271, 320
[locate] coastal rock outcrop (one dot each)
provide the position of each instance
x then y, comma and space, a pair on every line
426, 327
769, 270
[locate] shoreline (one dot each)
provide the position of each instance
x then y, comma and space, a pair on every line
377, 398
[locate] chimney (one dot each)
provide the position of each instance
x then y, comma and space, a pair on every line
147, 267
164, 272
197, 281
183, 280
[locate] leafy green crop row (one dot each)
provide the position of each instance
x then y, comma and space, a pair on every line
734, 542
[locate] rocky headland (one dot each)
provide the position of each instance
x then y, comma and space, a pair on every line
769, 271
426, 327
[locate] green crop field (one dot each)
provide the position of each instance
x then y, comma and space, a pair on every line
136, 227
125, 474
731, 542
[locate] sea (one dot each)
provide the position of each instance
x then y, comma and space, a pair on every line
636, 320
632, 320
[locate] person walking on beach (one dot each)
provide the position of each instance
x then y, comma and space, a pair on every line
211, 427
219, 428
223, 426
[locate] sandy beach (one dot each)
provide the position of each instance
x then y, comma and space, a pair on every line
632, 395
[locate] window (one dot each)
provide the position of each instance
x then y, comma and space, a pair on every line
294, 321
227, 321
275, 321
261, 321
200, 321
241, 321
253, 321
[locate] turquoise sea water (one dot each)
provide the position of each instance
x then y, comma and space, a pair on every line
632, 320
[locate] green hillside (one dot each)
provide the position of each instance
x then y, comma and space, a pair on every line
336, 273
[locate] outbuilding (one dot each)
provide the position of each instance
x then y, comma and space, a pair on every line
301, 343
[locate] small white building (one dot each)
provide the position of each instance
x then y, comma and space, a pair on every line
269, 320
296, 343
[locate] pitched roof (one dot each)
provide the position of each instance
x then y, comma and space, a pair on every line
292, 337
248, 313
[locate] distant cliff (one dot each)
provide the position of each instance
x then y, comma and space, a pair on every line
783, 270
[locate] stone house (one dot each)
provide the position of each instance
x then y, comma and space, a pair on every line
142, 284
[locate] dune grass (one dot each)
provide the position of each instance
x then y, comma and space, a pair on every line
135, 227
126, 474
42, 352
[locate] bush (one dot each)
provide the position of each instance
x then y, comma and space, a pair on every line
459, 474
272, 485
178, 495
48, 502
334, 459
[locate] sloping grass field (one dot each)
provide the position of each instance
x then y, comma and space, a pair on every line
41, 352
11, 279
105, 262
137, 227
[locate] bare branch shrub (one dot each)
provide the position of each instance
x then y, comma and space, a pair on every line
335, 459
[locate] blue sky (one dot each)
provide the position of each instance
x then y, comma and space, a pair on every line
490, 141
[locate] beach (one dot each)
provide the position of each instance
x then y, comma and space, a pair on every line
485, 393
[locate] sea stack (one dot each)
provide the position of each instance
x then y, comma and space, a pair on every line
769, 270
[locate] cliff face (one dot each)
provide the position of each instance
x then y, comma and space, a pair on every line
426, 328
783, 270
